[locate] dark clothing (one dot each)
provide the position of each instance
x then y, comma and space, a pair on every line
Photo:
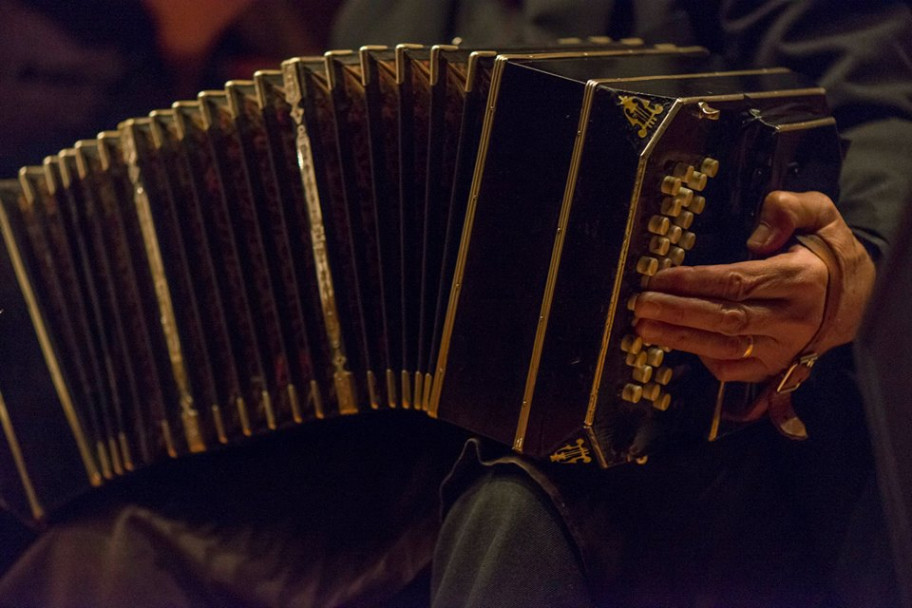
884, 345
336, 513
476, 564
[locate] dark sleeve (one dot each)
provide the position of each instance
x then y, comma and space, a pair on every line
861, 52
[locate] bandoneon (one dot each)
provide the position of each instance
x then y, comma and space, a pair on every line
437, 229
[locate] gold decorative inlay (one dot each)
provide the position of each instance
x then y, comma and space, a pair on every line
189, 415
573, 453
342, 378
640, 113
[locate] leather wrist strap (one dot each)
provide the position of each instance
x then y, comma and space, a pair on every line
776, 397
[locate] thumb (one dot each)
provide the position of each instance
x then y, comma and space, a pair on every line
784, 213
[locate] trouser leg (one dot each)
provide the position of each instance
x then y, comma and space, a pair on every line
503, 544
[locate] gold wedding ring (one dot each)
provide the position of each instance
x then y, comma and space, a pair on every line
750, 347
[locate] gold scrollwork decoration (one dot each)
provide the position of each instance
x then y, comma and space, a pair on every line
640, 113
573, 453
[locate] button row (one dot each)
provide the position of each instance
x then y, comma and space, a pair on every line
670, 239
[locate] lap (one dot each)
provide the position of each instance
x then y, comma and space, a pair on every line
753, 520
340, 512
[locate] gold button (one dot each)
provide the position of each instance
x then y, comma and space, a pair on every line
652, 391
662, 402
663, 375
687, 241
631, 343
659, 245
655, 356
685, 195
636, 359
674, 234
632, 393
671, 206
642, 374
684, 220
659, 224
676, 255
683, 171
709, 166
697, 181
697, 205
647, 265
671, 185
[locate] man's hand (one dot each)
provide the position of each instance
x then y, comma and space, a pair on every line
749, 320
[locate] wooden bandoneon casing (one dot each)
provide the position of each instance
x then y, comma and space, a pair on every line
435, 229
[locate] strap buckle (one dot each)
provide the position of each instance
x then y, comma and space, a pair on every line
797, 373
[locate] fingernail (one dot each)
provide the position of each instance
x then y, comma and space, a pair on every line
760, 236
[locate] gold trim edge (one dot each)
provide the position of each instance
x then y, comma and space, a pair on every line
50, 356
